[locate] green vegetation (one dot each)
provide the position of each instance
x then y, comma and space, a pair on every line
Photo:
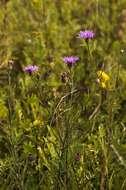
62, 127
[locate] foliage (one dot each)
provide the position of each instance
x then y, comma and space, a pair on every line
62, 127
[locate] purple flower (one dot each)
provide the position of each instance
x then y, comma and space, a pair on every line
71, 60
30, 69
86, 34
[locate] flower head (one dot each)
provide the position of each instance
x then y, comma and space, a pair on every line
86, 34
70, 61
103, 78
30, 69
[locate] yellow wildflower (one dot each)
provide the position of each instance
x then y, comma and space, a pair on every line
36, 122
35, 1
102, 78
103, 85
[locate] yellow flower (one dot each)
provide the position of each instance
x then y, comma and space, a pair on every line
103, 78
36, 122
35, 1
103, 85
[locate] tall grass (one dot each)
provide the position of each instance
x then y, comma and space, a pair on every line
62, 128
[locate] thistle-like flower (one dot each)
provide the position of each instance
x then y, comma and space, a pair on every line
86, 34
71, 60
30, 69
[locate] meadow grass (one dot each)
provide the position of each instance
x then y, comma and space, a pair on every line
62, 95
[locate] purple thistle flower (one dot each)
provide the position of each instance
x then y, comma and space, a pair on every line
86, 34
30, 69
71, 60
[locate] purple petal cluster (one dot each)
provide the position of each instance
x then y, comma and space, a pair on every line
71, 60
30, 69
86, 34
